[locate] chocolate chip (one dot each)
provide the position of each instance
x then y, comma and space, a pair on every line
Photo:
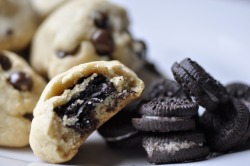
28, 116
63, 54
103, 42
9, 32
21, 81
5, 62
140, 49
100, 19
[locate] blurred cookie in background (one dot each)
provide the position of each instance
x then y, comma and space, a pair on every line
45, 7
18, 23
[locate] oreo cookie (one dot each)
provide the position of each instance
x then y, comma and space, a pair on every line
225, 129
241, 91
167, 88
175, 147
166, 114
119, 132
207, 91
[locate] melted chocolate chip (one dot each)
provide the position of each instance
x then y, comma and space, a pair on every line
81, 106
5, 62
103, 42
28, 116
140, 49
63, 54
100, 19
21, 81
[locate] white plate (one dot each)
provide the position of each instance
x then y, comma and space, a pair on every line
215, 33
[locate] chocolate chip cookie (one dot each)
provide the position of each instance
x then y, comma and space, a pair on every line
46, 7
20, 89
84, 31
18, 24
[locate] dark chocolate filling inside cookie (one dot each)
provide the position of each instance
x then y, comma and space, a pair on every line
80, 107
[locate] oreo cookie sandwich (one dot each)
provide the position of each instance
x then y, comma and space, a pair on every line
165, 114
207, 91
175, 147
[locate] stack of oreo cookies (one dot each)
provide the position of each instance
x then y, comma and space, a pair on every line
168, 121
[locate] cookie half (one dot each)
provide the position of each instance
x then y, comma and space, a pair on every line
76, 103
173, 148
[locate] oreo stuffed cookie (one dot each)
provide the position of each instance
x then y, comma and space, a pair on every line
119, 132
76, 103
166, 114
20, 89
175, 147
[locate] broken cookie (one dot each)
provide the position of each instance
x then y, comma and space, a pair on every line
76, 103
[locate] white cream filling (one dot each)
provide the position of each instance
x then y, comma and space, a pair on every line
170, 148
122, 137
170, 119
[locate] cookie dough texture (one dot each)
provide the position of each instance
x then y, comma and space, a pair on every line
45, 7
18, 24
51, 139
15, 103
65, 39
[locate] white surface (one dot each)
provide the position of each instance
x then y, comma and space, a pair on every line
215, 33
